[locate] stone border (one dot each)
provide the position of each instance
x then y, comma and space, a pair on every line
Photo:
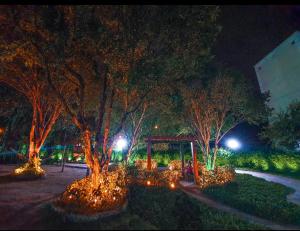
77, 218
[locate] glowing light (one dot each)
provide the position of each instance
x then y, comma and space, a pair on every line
172, 185
19, 170
233, 144
114, 198
156, 126
148, 182
121, 144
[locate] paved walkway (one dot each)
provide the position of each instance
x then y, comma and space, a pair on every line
21, 201
193, 191
289, 182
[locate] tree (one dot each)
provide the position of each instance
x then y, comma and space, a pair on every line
21, 70
14, 110
98, 72
283, 130
218, 106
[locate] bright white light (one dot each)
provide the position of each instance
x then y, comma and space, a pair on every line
233, 143
121, 143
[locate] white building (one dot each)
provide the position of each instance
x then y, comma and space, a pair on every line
279, 73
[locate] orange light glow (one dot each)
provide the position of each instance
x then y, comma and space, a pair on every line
148, 182
172, 185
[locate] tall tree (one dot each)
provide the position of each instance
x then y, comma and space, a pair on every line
21, 70
219, 105
283, 129
97, 47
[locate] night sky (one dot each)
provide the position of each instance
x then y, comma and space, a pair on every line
249, 33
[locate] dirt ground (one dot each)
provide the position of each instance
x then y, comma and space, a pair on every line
21, 201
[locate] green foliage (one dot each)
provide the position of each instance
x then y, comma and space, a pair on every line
163, 158
222, 152
283, 131
117, 156
259, 197
277, 162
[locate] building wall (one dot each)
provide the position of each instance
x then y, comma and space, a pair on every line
279, 73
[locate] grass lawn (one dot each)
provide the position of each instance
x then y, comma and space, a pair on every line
259, 197
155, 208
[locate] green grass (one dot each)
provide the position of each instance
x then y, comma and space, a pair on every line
156, 208
258, 197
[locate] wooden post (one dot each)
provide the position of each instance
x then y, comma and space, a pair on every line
195, 164
149, 155
182, 159
64, 153
63, 163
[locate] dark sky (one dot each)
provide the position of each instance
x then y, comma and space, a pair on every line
249, 33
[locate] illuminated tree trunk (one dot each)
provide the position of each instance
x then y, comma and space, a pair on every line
40, 129
137, 125
91, 163
32, 138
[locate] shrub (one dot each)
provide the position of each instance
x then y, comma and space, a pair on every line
219, 176
175, 165
283, 163
142, 164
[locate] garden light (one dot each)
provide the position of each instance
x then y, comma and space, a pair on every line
121, 144
172, 185
233, 144
148, 182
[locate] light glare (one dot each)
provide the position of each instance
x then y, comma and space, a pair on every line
233, 144
121, 144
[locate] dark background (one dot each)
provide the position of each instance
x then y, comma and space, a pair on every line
249, 33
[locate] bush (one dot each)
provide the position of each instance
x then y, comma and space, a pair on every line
163, 158
283, 163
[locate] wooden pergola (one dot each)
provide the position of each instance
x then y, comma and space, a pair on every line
160, 139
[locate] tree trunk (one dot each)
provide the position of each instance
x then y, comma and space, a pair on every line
91, 160
32, 139
215, 156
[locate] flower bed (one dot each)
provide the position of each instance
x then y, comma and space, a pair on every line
84, 198
219, 176
29, 171
175, 165
153, 177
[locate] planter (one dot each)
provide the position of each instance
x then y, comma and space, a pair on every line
77, 218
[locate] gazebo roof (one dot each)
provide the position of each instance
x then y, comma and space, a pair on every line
170, 138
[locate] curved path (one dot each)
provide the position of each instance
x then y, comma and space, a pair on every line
193, 191
286, 181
